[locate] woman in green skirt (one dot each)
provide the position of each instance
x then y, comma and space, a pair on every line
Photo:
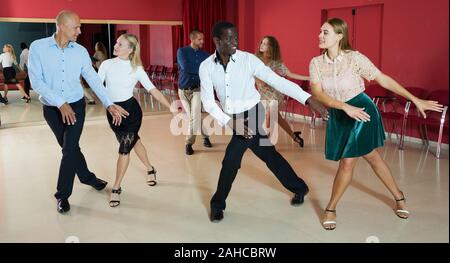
354, 128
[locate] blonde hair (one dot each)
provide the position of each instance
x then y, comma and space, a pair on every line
340, 27
11, 51
135, 55
100, 47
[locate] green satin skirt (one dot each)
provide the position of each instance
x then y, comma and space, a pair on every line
346, 138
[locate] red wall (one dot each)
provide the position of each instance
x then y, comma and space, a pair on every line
161, 52
145, 41
415, 42
411, 54
131, 29
168, 10
156, 43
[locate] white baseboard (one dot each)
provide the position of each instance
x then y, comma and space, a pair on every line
409, 139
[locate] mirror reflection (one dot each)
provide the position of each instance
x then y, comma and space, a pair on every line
159, 44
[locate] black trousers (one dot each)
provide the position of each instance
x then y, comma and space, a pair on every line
68, 137
265, 151
27, 85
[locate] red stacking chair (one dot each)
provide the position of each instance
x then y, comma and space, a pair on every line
411, 113
290, 103
437, 119
377, 93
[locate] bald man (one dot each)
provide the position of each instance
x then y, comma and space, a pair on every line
55, 66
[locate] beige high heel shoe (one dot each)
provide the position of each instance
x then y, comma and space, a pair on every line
403, 214
115, 197
329, 224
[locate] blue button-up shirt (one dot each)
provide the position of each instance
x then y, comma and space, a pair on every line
189, 61
55, 72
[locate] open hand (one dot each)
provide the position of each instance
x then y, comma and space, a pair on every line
424, 105
67, 113
117, 113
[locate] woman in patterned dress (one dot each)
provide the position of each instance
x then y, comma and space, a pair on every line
269, 53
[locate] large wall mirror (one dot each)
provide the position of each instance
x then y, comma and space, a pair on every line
159, 42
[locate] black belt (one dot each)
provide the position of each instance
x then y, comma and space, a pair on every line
191, 87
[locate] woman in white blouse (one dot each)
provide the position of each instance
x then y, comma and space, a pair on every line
354, 128
7, 59
121, 75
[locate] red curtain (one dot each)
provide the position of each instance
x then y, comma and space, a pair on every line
201, 15
177, 41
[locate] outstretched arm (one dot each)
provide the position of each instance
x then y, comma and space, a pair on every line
422, 105
148, 85
291, 75
161, 98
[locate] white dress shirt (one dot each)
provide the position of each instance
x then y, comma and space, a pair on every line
235, 86
7, 60
24, 58
120, 78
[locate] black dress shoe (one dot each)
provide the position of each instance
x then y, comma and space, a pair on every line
189, 150
63, 205
207, 143
99, 184
298, 199
216, 215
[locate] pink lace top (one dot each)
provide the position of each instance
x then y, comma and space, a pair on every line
342, 79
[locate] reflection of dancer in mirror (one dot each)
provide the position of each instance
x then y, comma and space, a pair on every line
100, 54
24, 66
8, 59
354, 128
98, 57
231, 73
269, 52
121, 75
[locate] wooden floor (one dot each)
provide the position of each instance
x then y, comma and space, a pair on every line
176, 210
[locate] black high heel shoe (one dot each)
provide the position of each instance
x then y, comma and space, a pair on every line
152, 182
299, 139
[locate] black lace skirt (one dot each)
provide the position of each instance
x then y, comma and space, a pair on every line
127, 131
10, 75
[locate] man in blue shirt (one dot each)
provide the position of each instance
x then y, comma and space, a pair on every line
55, 64
189, 59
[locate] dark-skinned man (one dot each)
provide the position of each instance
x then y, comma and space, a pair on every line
231, 73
